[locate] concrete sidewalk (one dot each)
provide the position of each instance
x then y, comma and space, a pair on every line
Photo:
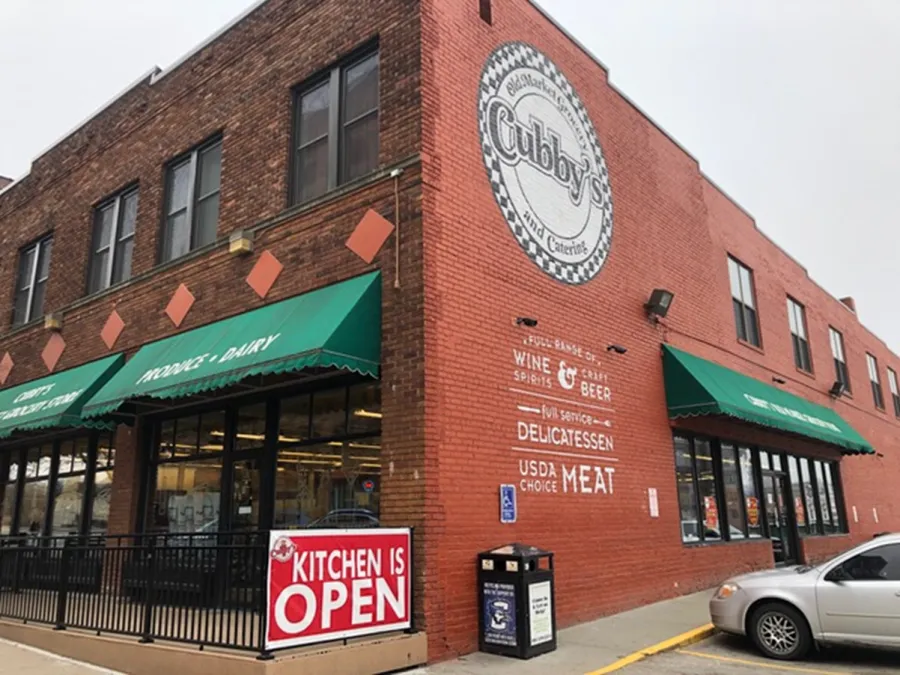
16, 659
596, 645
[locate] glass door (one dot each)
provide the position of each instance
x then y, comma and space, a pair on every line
781, 527
245, 495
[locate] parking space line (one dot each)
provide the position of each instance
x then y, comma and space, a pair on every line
760, 664
683, 640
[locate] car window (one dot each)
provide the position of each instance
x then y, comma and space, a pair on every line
879, 564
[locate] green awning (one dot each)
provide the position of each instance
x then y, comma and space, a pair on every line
55, 400
336, 326
695, 386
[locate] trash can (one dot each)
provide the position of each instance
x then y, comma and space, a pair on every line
517, 609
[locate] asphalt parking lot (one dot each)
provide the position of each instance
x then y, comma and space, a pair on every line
726, 655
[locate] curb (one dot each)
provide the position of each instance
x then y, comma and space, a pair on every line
683, 640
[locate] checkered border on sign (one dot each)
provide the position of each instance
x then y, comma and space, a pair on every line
519, 55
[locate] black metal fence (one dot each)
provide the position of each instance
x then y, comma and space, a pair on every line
206, 589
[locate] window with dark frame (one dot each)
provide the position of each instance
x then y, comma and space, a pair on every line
49, 490
875, 380
327, 461
191, 217
336, 120
112, 241
840, 362
797, 322
734, 499
743, 300
895, 393
10, 463
711, 472
31, 281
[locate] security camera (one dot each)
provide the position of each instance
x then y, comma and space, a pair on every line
618, 349
525, 321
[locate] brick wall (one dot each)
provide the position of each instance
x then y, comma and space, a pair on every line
240, 85
672, 229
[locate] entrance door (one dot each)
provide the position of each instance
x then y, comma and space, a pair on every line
781, 526
245, 495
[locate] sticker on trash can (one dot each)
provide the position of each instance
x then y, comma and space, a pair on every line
541, 613
500, 614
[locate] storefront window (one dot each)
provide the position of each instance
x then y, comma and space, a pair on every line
10, 490
329, 414
731, 478
824, 508
68, 498
836, 519
687, 491
809, 498
732, 511
187, 496
251, 427
751, 493
797, 491
706, 482
33, 513
327, 461
294, 421
103, 480
329, 485
365, 409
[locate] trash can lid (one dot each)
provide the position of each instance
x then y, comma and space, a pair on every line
519, 550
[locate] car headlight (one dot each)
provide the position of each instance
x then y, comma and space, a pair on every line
727, 590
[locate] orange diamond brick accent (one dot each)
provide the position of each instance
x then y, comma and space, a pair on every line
264, 274
180, 304
54, 349
6, 365
370, 235
112, 329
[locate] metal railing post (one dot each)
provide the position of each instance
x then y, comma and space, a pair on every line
412, 582
263, 551
63, 595
147, 633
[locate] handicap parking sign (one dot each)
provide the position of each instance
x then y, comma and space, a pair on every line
507, 503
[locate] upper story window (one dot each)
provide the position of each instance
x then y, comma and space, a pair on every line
895, 394
877, 394
192, 200
797, 321
840, 362
743, 298
335, 128
31, 281
112, 242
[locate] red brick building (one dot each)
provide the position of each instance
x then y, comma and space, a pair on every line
519, 211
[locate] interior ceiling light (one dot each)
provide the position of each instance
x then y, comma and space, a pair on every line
367, 413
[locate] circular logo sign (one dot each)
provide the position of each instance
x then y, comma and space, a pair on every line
544, 163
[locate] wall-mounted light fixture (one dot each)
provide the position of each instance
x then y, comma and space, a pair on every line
658, 305
526, 321
240, 242
53, 321
778, 380
618, 349
837, 389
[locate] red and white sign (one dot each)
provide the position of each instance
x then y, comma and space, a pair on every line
334, 584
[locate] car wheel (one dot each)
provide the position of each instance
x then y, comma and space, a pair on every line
780, 632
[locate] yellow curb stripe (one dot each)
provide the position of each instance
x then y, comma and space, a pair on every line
683, 640
760, 664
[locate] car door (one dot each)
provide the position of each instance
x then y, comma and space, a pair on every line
859, 598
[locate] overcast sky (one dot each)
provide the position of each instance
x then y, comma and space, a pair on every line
791, 106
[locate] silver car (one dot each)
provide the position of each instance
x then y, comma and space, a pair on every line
853, 599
